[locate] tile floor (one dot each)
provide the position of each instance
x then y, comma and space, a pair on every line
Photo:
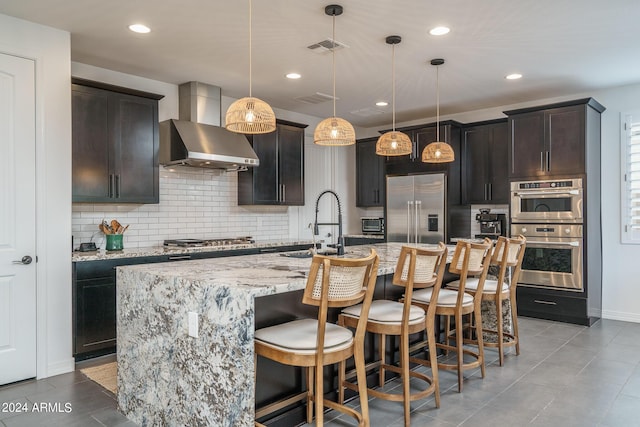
566, 375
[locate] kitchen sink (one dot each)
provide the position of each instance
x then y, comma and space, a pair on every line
307, 254
298, 254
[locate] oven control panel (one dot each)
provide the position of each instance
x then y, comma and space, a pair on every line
547, 230
547, 184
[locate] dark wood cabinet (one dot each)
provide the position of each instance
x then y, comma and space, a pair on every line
114, 144
549, 141
485, 163
370, 174
94, 296
279, 179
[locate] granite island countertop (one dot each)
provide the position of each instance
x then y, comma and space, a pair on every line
99, 255
166, 376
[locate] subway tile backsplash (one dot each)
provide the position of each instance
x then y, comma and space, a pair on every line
194, 203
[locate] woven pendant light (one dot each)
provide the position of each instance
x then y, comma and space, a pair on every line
438, 151
334, 131
250, 115
393, 143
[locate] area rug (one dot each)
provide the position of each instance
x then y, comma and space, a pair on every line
106, 375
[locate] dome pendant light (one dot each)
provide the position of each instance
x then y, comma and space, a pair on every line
334, 131
393, 143
438, 151
250, 115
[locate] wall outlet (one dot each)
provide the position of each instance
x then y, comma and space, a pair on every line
193, 324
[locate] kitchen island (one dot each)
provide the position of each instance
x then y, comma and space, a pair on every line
166, 376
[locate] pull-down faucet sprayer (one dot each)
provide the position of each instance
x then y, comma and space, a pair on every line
340, 243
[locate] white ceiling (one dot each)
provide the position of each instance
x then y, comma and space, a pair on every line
560, 46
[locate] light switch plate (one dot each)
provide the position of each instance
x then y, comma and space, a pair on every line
193, 324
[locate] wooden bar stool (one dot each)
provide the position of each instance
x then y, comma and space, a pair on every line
416, 268
507, 253
469, 259
315, 343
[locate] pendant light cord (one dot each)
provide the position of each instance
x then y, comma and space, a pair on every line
393, 87
333, 51
250, 48
438, 103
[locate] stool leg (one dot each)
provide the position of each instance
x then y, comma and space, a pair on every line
433, 360
361, 375
341, 377
319, 395
383, 352
310, 386
514, 319
479, 340
500, 328
404, 366
459, 347
447, 331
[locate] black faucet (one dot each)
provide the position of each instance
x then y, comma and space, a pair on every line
340, 244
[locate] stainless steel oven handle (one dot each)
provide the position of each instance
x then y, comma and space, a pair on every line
547, 193
571, 244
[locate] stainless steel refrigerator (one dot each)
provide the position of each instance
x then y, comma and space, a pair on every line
416, 208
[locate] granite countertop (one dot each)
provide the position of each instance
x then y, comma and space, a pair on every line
162, 250
261, 274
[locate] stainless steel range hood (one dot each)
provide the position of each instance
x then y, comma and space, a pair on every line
197, 139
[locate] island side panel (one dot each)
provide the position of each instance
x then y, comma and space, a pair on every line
166, 377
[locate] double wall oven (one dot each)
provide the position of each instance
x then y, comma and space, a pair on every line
549, 214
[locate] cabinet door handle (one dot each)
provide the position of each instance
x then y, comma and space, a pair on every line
179, 257
117, 186
542, 161
490, 191
284, 193
538, 301
111, 185
485, 192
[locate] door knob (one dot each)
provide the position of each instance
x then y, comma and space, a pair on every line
25, 260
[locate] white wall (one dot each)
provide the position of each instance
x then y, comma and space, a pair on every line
50, 49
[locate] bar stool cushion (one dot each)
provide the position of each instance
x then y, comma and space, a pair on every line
446, 297
301, 336
388, 312
472, 285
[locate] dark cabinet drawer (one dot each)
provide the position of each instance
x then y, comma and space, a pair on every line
547, 304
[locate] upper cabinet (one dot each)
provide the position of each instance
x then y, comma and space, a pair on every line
485, 163
370, 175
279, 179
552, 140
114, 144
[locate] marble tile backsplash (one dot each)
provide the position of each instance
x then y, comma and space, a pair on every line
194, 203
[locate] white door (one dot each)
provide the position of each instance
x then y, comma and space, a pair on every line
17, 220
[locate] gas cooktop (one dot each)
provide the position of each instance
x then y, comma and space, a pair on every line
194, 243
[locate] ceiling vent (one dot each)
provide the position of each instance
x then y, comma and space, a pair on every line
367, 112
327, 45
316, 98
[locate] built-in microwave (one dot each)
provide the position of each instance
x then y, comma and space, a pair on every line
372, 225
548, 201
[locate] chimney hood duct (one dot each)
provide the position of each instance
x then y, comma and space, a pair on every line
197, 139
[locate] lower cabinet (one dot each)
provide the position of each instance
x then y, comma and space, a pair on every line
562, 306
94, 296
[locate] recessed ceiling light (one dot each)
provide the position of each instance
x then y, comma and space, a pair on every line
439, 31
293, 76
139, 28
382, 103
514, 76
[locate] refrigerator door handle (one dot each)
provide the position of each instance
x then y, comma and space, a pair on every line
409, 204
417, 219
